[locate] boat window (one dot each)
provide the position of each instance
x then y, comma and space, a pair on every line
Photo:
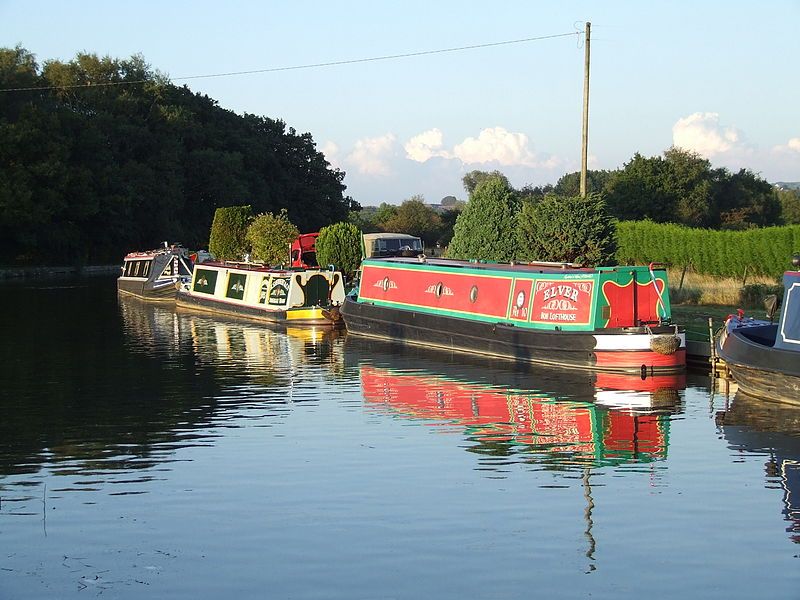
136, 267
279, 291
473, 294
205, 281
264, 292
146, 269
236, 285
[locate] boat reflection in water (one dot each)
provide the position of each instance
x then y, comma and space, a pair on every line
558, 417
772, 430
234, 344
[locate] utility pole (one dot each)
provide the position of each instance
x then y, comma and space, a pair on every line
585, 135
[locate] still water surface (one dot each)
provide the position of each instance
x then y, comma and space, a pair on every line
146, 451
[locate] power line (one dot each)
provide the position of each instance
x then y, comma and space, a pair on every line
298, 67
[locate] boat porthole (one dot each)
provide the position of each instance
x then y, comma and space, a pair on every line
473, 293
385, 284
438, 289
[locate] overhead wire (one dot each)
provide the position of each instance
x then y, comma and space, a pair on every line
298, 67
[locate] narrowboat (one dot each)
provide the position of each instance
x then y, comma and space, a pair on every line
764, 357
288, 296
155, 274
614, 319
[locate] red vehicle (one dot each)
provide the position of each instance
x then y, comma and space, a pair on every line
304, 251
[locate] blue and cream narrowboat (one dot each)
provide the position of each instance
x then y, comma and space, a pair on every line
155, 274
764, 357
254, 291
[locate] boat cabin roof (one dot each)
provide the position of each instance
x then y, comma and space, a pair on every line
533, 267
143, 254
256, 267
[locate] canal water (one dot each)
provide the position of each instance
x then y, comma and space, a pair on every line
151, 452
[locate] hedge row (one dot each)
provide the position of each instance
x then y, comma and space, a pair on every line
766, 251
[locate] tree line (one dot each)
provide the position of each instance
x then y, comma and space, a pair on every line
679, 187
89, 173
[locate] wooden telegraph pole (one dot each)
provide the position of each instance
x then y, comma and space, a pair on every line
585, 135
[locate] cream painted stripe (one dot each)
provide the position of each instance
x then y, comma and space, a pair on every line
628, 341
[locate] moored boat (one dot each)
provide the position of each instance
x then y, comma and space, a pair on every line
289, 296
614, 319
155, 274
764, 357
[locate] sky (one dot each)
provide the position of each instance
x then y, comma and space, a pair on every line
715, 77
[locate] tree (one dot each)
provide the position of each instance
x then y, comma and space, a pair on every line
473, 179
383, 214
790, 206
486, 228
90, 173
269, 237
340, 245
229, 231
567, 229
416, 218
570, 184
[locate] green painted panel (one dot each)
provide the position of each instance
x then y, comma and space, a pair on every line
205, 281
236, 285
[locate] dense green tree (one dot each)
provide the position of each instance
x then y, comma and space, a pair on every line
340, 245
682, 187
88, 173
486, 228
570, 183
567, 229
383, 214
228, 239
790, 206
415, 217
269, 237
473, 179
448, 222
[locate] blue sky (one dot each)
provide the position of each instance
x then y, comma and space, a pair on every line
719, 78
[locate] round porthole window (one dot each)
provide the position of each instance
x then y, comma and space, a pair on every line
386, 284
438, 290
473, 293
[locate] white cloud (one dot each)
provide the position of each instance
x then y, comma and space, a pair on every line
493, 145
370, 156
792, 146
496, 144
425, 146
702, 133
331, 152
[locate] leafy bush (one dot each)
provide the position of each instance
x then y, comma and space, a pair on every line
340, 245
486, 228
269, 237
228, 231
567, 229
753, 295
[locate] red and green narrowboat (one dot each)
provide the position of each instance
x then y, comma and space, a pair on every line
614, 319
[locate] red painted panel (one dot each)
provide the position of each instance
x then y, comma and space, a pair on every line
463, 292
635, 359
562, 302
620, 300
521, 300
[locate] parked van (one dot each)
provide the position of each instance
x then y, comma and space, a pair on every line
379, 245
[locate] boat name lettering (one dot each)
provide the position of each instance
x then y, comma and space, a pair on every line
562, 290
